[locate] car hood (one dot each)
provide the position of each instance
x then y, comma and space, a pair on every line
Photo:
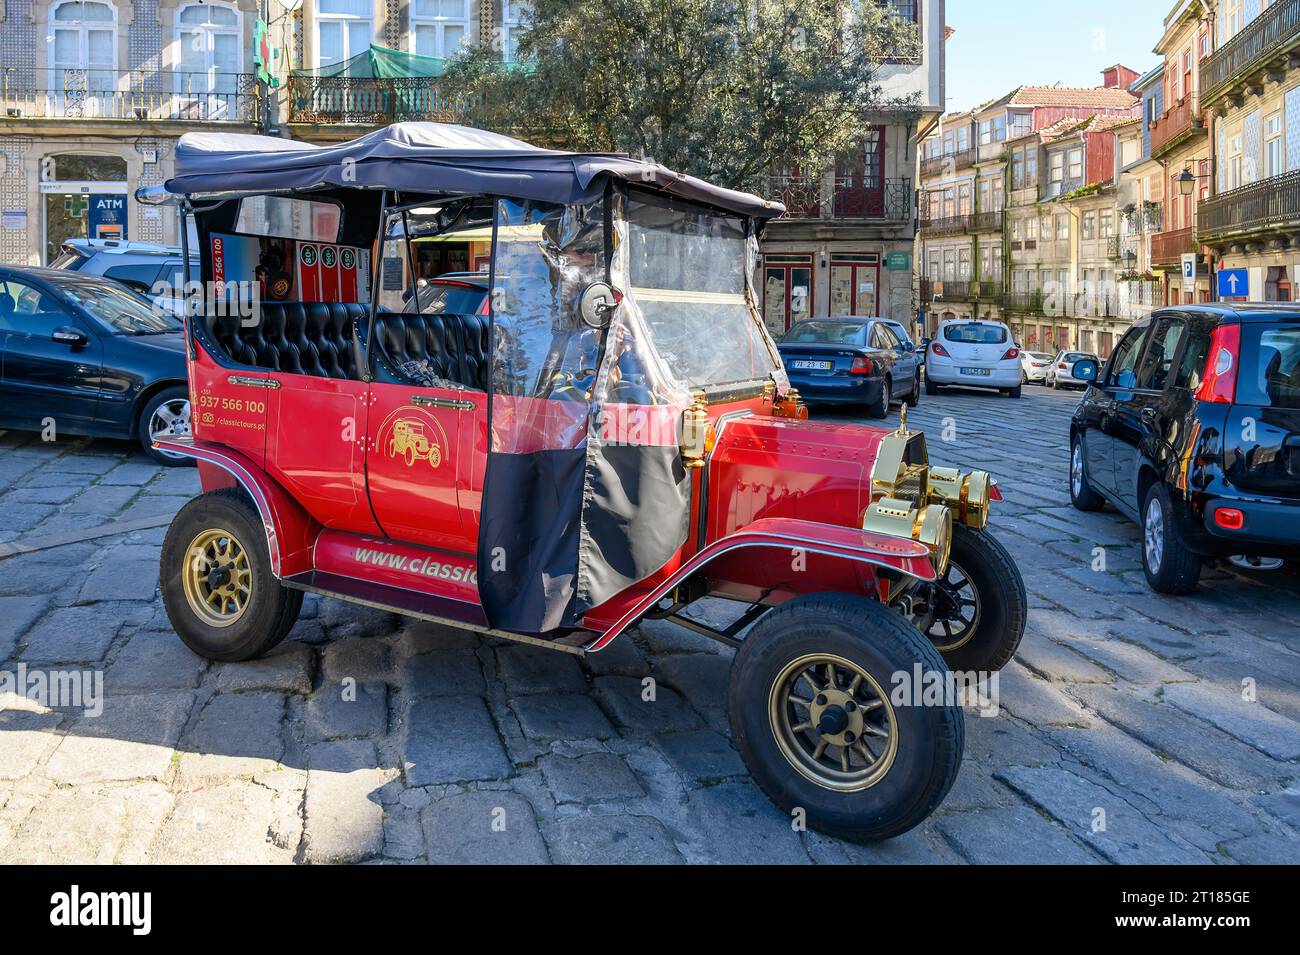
166, 342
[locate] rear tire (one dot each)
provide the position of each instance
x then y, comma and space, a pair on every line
917, 748
1082, 496
1169, 566
217, 586
931, 386
916, 390
880, 407
1014, 392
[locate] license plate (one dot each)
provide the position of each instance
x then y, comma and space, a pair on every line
804, 365
978, 372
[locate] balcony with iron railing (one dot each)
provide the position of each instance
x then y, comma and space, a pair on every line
947, 225
1271, 38
849, 198
139, 96
993, 221
948, 163
987, 290
1262, 208
1179, 124
373, 101
1167, 248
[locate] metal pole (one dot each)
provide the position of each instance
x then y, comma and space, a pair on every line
362, 355
183, 215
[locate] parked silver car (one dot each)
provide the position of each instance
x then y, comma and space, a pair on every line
1060, 373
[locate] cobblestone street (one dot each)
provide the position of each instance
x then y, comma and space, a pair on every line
1124, 735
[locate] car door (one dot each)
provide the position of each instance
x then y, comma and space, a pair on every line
1138, 421
881, 341
50, 360
904, 358
1098, 407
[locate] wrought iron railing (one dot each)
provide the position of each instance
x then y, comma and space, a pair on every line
1265, 37
1177, 122
938, 165
373, 101
892, 201
948, 225
1267, 204
800, 194
138, 95
988, 221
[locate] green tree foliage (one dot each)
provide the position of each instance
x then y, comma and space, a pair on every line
728, 90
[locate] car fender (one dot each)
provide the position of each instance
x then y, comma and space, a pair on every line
759, 538
290, 530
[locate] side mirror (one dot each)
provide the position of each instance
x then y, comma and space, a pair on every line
908, 346
69, 336
1085, 370
597, 303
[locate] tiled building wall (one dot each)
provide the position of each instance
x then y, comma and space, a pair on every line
14, 243
144, 46
19, 37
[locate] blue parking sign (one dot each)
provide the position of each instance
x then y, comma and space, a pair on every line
1234, 283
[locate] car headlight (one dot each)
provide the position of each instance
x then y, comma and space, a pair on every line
930, 524
966, 493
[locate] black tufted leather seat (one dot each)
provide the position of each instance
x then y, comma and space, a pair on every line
315, 338
455, 346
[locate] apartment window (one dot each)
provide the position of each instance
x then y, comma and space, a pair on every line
1045, 281
1017, 169
1107, 223
1205, 45
1274, 146
949, 203
986, 132
963, 264
1045, 230
936, 205
1016, 230
1020, 124
440, 26
996, 196
986, 262
344, 29
1056, 167
1090, 225
949, 143
949, 265
1076, 163
515, 17
211, 49
934, 272
963, 139
1152, 115
963, 199
1000, 128
83, 36
1031, 229
1063, 227
1234, 161
997, 262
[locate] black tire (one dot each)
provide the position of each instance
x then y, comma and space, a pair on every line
1082, 495
931, 387
271, 609
1014, 392
994, 613
916, 390
169, 397
1024, 377
1169, 566
874, 640
880, 407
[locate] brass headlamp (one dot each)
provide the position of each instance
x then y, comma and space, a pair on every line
931, 524
967, 494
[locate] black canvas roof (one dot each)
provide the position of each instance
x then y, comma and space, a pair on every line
429, 158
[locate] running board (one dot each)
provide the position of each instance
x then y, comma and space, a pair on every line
422, 606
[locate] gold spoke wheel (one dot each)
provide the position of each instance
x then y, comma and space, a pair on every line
833, 722
217, 578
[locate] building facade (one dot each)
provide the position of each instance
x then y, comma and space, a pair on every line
847, 243
1000, 232
1248, 206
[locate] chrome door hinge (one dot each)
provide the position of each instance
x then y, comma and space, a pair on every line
252, 382
457, 404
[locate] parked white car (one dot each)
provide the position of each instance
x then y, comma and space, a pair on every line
1060, 373
979, 353
1034, 365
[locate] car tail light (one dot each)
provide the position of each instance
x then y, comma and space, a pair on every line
938, 349
1230, 517
861, 366
1011, 353
1220, 381
1062, 365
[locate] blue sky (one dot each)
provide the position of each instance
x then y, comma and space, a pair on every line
1001, 44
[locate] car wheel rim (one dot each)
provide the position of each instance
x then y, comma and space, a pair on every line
217, 577
1076, 471
833, 722
1154, 535
953, 611
171, 419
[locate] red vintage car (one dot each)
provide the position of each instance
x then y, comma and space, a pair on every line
602, 434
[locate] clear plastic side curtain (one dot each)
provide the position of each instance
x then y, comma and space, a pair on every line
585, 493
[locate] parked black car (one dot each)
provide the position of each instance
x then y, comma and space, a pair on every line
1193, 430
90, 356
851, 360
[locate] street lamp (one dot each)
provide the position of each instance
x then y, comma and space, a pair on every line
1187, 182
1130, 258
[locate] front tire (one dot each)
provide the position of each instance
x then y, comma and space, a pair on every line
220, 595
1082, 495
1169, 566
975, 616
812, 715
166, 414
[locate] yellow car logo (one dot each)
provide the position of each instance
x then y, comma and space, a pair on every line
410, 442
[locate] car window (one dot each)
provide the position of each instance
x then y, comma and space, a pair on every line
437, 299
1270, 369
827, 333
1123, 364
137, 276
1153, 371
975, 333
118, 309
883, 337
25, 308
1192, 366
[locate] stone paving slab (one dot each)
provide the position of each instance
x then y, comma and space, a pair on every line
1123, 733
